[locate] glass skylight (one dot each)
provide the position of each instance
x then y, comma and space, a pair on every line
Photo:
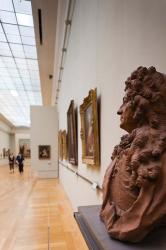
25, 20
8, 17
6, 5
14, 39
2, 38
19, 73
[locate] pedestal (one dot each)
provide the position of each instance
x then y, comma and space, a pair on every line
97, 238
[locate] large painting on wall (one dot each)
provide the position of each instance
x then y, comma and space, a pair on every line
7, 152
90, 129
44, 152
72, 134
4, 152
24, 147
60, 145
64, 144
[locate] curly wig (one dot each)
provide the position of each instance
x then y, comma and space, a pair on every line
146, 90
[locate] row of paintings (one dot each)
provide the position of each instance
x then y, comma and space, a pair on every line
68, 145
44, 152
5, 153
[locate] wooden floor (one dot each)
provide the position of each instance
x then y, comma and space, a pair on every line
28, 206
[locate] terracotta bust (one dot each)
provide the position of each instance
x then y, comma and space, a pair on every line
134, 187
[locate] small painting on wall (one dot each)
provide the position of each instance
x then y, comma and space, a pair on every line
44, 152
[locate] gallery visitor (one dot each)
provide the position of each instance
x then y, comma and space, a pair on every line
20, 162
11, 162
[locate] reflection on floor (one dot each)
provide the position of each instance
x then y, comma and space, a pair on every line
27, 206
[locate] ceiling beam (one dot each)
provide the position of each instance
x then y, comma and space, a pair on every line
45, 21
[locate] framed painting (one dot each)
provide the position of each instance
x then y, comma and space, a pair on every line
72, 134
64, 145
4, 152
44, 152
60, 145
24, 147
7, 153
89, 129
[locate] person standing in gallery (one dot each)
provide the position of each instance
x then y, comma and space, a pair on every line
11, 162
20, 162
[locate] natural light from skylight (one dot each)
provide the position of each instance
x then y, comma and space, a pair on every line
19, 73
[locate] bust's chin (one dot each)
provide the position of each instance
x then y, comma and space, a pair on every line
128, 125
123, 125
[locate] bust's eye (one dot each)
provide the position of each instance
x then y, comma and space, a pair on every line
124, 99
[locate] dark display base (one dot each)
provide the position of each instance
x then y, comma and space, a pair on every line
97, 237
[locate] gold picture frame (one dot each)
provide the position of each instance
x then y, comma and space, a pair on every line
72, 134
60, 145
64, 145
90, 129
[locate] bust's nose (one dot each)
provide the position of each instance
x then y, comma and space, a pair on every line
120, 111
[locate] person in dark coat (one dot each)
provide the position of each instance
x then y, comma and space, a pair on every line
11, 162
20, 162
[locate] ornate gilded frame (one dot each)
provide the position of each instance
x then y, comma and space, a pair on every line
60, 148
64, 145
90, 129
72, 134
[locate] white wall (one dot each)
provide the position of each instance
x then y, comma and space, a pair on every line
79, 191
109, 39
44, 127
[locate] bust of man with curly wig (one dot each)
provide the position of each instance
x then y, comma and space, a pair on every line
134, 187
